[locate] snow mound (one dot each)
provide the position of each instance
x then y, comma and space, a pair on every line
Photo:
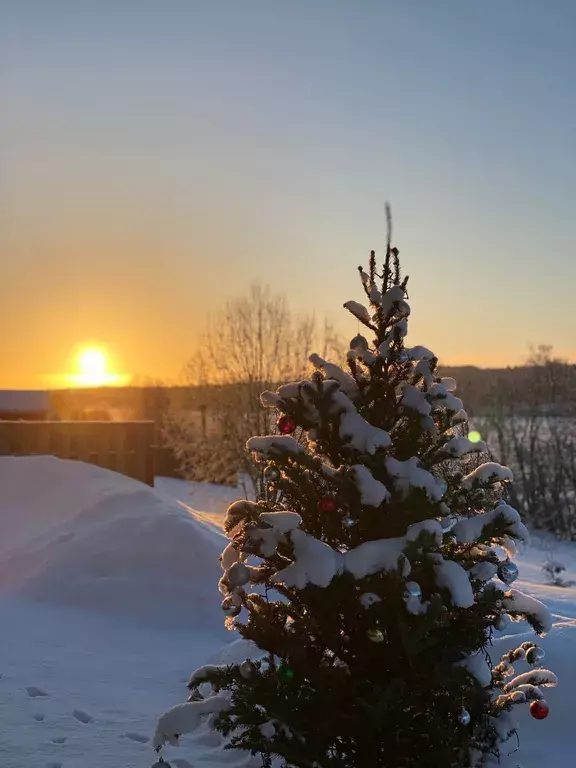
77, 534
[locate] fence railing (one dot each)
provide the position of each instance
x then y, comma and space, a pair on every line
122, 446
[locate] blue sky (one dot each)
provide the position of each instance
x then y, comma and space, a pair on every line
159, 157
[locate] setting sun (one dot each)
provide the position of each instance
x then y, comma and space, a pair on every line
91, 368
92, 364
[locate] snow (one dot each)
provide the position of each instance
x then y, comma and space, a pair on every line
314, 562
375, 556
440, 394
275, 446
449, 383
84, 536
391, 298
487, 473
372, 491
24, 401
332, 371
420, 353
539, 677
456, 580
477, 665
516, 602
356, 431
432, 527
282, 522
359, 311
409, 474
369, 598
185, 718
459, 446
109, 669
469, 529
415, 400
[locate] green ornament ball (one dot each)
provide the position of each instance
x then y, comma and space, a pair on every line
285, 673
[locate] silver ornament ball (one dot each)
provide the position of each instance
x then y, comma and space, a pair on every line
464, 717
535, 655
238, 575
375, 635
270, 474
413, 589
348, 522
247, 669
508, 572
501, 622
359, 342
229, 608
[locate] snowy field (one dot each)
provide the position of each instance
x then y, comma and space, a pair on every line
108, 601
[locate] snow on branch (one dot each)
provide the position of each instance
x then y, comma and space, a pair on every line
477, 666
270, 399
238, 512
275, 446
282, 522
359, 311
519, 605
317, 563
391, 299
202, 674
333, 371
290, 390
376, 556
185, 718
409, 474
456, 580
486, 474
535, 677
356, 431
413, 399
471, 529
459, 446
420, 353
430, 527
314, 562
372, 491
439, 395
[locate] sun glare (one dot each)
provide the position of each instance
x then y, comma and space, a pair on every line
91, 369
92, 364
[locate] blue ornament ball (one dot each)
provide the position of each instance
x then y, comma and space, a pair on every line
508, 572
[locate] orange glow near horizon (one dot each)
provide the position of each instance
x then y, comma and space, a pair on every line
91, 369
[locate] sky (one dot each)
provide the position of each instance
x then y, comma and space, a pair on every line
158, 158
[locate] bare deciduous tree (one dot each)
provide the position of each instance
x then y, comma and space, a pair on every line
532, 429
253, 343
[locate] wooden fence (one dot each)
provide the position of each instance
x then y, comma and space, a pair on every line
122, 446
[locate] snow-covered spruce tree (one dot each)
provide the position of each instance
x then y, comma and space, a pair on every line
381, 563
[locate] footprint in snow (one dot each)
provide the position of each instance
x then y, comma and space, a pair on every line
53, 765
139, 737
60, 739
181, 763
39, 717
34, 692
83, 717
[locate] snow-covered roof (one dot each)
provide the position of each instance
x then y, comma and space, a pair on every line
23, 401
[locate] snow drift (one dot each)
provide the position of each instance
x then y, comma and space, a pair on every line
78, 534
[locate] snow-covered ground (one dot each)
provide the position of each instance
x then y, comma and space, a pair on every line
108, 601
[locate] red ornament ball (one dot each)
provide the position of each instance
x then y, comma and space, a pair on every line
539, 709
286, 425
326, 505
